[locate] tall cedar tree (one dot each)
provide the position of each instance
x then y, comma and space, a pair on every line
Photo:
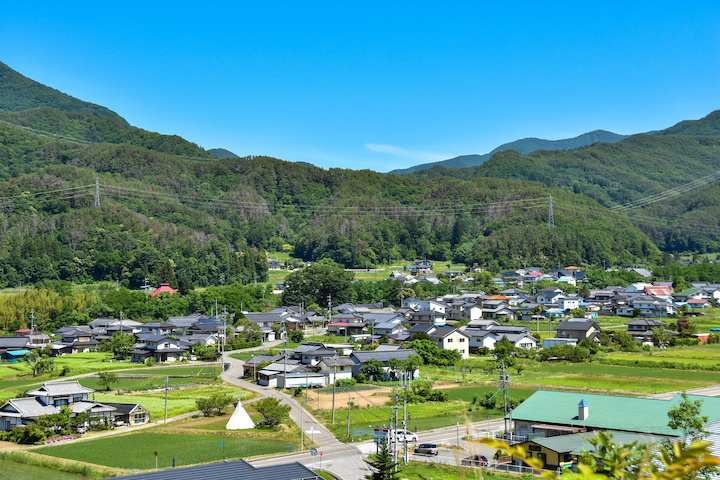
167, 275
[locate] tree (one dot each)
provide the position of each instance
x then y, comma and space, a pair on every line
214, 404
167, 275
624, 462
383, 466
687, 418
373, 369
317, 283
107, 379
39, 363
119, 344
273, 411
296, 336
504, 350
659, 337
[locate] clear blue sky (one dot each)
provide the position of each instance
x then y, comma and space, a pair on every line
377, 85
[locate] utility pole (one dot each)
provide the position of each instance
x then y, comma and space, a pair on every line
167, 379
505, 383
32, 323
334, 382
348, 419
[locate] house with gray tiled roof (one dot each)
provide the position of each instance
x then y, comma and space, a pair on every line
450, 338
49, 399
60, 393
578, 329
240, 469
360, 358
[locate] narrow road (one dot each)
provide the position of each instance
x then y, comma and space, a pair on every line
347, 461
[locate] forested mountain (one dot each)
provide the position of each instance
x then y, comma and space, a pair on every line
629, 171
21, 93
221, 153
524, 145
165, 199
215, 218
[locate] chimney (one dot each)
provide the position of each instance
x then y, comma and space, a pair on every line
583, 411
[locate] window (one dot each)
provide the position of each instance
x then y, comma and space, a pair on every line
449, 340
462, 340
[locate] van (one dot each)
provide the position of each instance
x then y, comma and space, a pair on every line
427, 449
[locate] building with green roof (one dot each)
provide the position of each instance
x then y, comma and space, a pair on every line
550, 413
563, 451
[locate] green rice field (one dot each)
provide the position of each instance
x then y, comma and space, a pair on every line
136, 450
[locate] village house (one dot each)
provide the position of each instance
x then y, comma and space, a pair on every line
578, 329
450, 338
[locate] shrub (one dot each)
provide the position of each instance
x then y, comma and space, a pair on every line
214, 404
346, 382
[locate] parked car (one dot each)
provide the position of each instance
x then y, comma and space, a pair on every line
475, 460
427, 449
402, 436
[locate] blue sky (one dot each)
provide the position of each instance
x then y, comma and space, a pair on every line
374, 85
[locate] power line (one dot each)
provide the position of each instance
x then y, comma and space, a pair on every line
713, 177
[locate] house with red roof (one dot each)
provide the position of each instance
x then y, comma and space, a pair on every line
164, 288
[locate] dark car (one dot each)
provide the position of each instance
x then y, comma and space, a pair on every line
475, 460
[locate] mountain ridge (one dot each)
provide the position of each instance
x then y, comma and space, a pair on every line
20, 93
523, 145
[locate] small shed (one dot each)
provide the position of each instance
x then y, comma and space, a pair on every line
292, 380
14, 356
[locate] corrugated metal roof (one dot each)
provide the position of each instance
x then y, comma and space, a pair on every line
236, 470
630, 414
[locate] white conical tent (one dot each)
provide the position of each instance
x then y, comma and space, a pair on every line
239, 420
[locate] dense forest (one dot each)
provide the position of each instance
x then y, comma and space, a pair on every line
162, 198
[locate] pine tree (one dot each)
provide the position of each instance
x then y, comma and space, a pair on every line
383, 465
167, 274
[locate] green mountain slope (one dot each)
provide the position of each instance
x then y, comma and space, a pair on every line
221, 153
84, 128
525, 145
203, 213
627, 171
707, 126
18, 92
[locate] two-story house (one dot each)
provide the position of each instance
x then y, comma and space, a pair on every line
450, 338
578, 329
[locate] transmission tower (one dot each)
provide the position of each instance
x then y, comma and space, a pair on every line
551, 218
97, 193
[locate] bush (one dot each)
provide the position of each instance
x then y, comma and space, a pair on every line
361, 378
214, 404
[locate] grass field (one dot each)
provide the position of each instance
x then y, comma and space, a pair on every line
136, 450
179, 401
424, 471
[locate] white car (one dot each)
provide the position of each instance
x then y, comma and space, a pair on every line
403, 436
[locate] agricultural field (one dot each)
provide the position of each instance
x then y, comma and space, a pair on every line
180, 401
136, 450
189, 441
704, 356
16, 378
154, 378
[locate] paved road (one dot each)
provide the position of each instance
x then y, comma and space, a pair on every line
712, 391
348, 460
